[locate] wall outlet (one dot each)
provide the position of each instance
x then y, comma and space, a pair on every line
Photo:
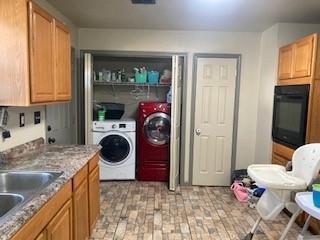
21, 120
6, 134
3, 116
37, 117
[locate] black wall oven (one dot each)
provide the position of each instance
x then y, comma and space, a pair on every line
290, 115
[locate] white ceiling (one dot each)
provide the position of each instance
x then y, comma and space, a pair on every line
218, 15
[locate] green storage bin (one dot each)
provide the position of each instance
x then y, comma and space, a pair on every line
140, 77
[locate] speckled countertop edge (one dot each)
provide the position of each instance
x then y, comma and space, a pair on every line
67, 158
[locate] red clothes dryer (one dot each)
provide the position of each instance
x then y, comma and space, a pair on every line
153, 141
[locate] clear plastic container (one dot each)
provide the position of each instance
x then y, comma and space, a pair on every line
316, 195
169, 96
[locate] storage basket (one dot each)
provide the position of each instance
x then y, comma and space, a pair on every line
153, 77
140, 77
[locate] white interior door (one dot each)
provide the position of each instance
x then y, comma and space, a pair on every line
59, 124
177, 74
214, 117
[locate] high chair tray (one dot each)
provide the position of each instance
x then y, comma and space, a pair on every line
305, 202
275, 176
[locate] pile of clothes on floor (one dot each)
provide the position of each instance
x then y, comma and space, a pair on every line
245, 189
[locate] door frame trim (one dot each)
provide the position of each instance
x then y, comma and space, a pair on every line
196, 56
119, 53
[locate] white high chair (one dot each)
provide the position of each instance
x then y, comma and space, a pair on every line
279, 184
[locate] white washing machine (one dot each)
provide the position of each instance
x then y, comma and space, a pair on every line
117, 142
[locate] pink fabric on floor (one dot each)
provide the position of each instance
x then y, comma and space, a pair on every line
240, 192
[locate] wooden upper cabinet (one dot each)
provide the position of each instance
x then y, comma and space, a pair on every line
62, 70
302, 61
285, 62
14, 60
41, 55
317, 59
297, 61
35, 55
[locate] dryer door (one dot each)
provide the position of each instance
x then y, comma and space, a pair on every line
156, 128
115, 148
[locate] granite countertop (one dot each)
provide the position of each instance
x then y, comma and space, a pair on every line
36, 156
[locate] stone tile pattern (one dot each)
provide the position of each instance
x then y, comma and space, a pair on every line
147, 210
29, 148
67, 158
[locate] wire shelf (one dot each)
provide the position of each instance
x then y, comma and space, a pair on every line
100, 83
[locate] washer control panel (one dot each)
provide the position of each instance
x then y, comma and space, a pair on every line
123, 126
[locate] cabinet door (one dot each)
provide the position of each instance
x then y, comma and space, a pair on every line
14, 52
60, 227
303, 57
94, 197
285, 62
62, 69
41, 54
42, 236
276, 159
80, 210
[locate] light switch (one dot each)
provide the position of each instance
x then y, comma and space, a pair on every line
37, 117
21, 120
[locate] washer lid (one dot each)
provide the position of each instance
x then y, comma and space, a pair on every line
156, 128
115, 148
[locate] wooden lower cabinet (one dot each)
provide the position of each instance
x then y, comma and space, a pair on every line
71, 213
314, 226
42, 236
38, 223
60, 226
281, 154
86, 199
277, 159
81, 208
94, 197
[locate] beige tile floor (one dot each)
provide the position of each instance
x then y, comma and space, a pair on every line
148, 210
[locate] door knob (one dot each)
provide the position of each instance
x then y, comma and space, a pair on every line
198, 131
51, 140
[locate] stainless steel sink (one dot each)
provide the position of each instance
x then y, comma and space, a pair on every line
18, 187
24, 181
8, 201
